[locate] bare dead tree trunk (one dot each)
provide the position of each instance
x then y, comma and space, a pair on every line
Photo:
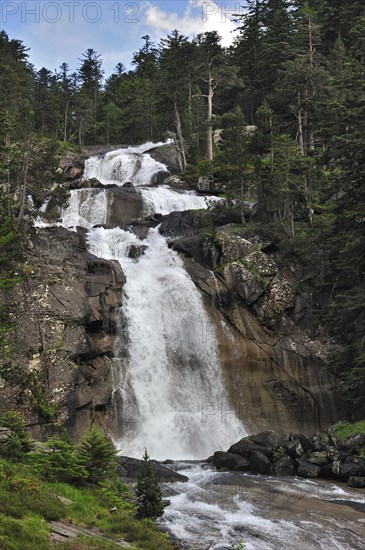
23, 190
65, 121
190, 109
300, 126
210, 117
181, 147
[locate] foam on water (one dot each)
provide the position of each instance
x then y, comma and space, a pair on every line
208, 512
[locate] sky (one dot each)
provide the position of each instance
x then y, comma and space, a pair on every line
58, 31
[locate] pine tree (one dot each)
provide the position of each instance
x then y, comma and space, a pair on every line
97, 455
57, 460
148, 491
87, 100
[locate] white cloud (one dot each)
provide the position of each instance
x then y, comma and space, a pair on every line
199, 16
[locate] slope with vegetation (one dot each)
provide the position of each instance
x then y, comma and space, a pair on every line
56, 495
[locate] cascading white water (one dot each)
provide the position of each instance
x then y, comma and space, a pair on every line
171, 387
164, 200
87, 207
131, 164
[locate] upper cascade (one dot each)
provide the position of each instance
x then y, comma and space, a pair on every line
130, 165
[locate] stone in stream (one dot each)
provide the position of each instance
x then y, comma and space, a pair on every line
284, 467
131, 467
353, 467
358, 482
230, 461
259, 463
306, 469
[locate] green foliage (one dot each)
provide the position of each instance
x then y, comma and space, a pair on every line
278, 453
19, 441
58, 460
97, 455
31, 532
344, 430
47, 410
148, 492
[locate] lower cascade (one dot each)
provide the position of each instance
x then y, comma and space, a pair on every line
170, 382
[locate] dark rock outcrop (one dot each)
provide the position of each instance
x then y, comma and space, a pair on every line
132, 467
167, 154
66, 315
230, 461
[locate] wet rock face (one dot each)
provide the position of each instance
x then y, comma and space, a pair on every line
66, 314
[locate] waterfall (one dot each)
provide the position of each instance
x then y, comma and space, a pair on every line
168, 384
87, 207
131, 164
171, 386
164, 200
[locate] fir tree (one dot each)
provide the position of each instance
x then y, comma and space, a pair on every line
148, 490
97, 455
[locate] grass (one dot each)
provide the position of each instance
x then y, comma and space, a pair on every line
27, 503
27, 534
344, 430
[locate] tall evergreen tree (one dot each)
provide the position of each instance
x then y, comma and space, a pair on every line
148, 491
90, 76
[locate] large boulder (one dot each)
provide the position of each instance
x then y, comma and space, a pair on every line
294, 448
331, 470
358, 482
208, 184
230, 461
259, 463
244, 281
284, 467
167, 154
264, 442
132, 467
234, 247
199, 248
307, 469
353, 467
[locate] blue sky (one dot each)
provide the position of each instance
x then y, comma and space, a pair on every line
60, 30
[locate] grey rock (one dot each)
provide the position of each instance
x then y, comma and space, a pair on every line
284, 467
306, 469
294, 448
259, 463
230, 461
358, 482
131, 467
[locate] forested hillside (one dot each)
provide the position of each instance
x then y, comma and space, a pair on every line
276, 119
